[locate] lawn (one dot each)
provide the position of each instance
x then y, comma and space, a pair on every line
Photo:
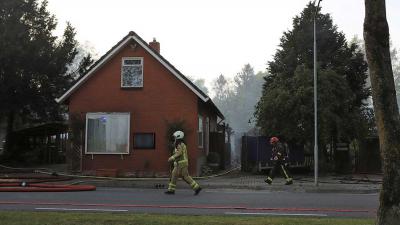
61, 218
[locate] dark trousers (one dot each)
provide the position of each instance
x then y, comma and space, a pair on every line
279, 165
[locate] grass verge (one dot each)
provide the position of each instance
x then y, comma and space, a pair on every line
64, 218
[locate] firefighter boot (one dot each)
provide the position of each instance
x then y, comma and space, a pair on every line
289, 181
171, 189
197, 191
268, 180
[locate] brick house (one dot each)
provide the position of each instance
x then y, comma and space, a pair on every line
126, 101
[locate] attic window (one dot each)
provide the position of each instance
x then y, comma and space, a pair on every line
132, 72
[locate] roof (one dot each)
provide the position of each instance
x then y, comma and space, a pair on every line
120, 45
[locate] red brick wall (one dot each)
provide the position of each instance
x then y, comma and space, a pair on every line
163, 97
205, 112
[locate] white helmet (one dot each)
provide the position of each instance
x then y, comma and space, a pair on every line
178, 135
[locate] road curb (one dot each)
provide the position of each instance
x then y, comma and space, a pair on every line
272, 188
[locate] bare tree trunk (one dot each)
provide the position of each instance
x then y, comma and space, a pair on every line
376, 35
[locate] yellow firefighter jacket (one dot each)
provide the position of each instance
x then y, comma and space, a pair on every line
180, 156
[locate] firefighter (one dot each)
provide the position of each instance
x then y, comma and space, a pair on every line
280, 160
181, 163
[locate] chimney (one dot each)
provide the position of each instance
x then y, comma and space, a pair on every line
155, 45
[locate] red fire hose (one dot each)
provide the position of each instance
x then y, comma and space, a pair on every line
27, 180
26, 187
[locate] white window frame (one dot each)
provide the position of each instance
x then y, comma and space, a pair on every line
200, 129
123, 65
106, 113
207, 135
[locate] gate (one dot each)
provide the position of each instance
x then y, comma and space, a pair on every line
217, 144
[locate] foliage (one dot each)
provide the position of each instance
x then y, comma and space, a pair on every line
34, 62
82, 61
298, 124
223, 96
394, 55
286, 107
237, 99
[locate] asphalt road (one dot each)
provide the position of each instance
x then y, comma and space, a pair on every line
208, 202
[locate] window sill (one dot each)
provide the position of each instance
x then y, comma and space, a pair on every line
106, 153
131, 88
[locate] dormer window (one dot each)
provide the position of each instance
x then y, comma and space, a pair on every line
132, 72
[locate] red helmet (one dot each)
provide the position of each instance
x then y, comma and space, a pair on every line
273, 140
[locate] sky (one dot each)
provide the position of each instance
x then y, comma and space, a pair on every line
206, 38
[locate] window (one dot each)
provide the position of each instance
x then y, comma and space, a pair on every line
200, 132
107, 133
132, 72
144, 140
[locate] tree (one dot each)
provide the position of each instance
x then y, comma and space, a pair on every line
237, 99
82, 61
34, 63
376, 36
395, 64
223, 96
289, 112
286, 106
247, 90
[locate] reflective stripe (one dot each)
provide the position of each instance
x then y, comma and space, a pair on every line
194, 185
183, 163
284, 171
269, 178
183, 156
171, 187
184, 153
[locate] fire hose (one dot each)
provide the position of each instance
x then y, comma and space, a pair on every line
25, 183
27, 187
41, 187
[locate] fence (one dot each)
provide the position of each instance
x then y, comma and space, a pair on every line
256, 154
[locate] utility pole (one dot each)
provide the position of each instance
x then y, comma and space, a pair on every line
315, 99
